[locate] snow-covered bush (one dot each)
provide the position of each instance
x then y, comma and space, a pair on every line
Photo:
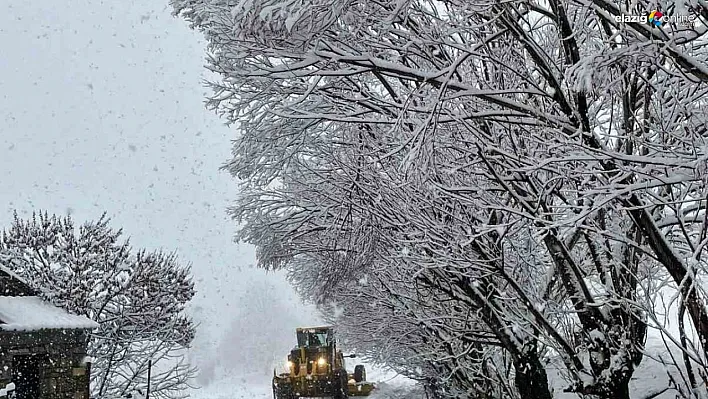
138, 299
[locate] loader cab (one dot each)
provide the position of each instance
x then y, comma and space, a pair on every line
315, 337
316, 351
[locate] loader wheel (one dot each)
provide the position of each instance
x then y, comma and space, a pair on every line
341, 385
359, 373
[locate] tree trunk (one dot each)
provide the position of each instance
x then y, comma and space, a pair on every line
431, 389
531, 379
619, 390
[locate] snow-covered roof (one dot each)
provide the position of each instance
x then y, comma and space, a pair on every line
30, 313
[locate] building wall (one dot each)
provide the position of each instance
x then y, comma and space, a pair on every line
10, 286
62, 374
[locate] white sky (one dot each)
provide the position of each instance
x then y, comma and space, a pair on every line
101, 109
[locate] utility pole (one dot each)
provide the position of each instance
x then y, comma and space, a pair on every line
147, 393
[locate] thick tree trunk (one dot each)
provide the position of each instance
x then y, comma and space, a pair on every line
431, 389
531, 379
620, 391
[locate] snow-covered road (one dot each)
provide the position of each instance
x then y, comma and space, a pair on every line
233, 390
236, 390
390, 386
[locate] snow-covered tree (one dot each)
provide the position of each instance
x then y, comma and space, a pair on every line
138, 298
503, 185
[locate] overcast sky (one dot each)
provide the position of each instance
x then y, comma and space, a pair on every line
101, 109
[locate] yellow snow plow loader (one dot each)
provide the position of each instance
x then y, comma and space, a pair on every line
316, 369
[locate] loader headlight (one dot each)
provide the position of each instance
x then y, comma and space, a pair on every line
290, 365
321, 362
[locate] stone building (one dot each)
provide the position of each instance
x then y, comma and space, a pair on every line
42, 347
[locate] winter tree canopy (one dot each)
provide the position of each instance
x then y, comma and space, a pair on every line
502, 188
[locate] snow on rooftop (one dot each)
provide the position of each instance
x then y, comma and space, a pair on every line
30, 313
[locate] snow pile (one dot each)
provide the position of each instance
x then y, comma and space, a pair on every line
30, 313
397, 391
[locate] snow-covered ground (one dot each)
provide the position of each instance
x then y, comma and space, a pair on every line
235, 388
227, 385
650, 381
240, 389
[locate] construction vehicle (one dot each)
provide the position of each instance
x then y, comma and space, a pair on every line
316, 368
